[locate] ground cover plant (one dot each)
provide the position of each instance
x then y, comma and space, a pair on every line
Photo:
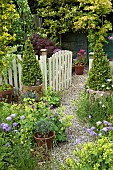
91, 156
17, 128
92, 108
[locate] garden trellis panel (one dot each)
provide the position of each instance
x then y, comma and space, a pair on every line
56, 71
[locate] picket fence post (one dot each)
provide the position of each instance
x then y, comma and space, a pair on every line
43, 64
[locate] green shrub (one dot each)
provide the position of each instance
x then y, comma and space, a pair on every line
31, 71
91, 156
99, 76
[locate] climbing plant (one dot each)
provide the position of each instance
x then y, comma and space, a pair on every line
23, 26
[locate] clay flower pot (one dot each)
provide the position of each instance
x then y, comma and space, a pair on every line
6, 95
38, 89
79, 69
45, 141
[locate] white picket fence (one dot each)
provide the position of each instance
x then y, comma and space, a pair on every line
56, 71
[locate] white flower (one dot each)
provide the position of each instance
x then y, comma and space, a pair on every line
107, 88
109, 80
103, 85
100, 102
101, 94
90, 116
103, 105
112, 85
98, 123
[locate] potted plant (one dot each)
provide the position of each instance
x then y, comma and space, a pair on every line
31, 71
80, 62
44, 134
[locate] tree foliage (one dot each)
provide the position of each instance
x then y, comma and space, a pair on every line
22, 26
56, 15
7, 15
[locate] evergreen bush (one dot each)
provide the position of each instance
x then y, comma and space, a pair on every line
99, 76
31, 71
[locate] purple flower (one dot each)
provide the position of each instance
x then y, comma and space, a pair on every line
15, 124
13, 115
51, 106
110, 37
105, 129
22, 117
78, 141
88, 130
105, 122
100, 134
5, 127
98, 123
83, 137
32, 106
109, 124
110, 128
92, 128
8, 118
38, 81
92, 133
45, 102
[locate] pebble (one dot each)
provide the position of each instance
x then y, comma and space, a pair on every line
78, 129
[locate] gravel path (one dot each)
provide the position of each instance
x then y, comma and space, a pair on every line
77, 130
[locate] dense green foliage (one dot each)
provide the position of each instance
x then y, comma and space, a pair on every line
56, 16
7, 16
91, 156
31, 71
99, 77
22, 26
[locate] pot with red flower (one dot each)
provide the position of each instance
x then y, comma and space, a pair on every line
80, 62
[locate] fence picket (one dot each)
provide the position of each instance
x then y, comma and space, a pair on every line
15, 75
59, 71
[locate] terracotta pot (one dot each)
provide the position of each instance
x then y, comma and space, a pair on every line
6, 95
79, 69
37, 89
45, 141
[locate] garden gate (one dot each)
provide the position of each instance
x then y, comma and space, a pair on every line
56, 71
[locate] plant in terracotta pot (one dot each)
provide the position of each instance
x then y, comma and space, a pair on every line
31, 71
44, 133
80, 62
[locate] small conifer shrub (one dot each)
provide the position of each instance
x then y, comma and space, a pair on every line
99, 77
31, 71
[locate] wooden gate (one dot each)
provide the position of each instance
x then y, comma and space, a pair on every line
56, 71
60, 70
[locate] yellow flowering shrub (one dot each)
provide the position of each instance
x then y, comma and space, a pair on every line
7, 15
91, 156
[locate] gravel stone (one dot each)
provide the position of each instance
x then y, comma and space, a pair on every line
78, 129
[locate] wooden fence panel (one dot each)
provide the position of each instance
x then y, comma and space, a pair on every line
59, 71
